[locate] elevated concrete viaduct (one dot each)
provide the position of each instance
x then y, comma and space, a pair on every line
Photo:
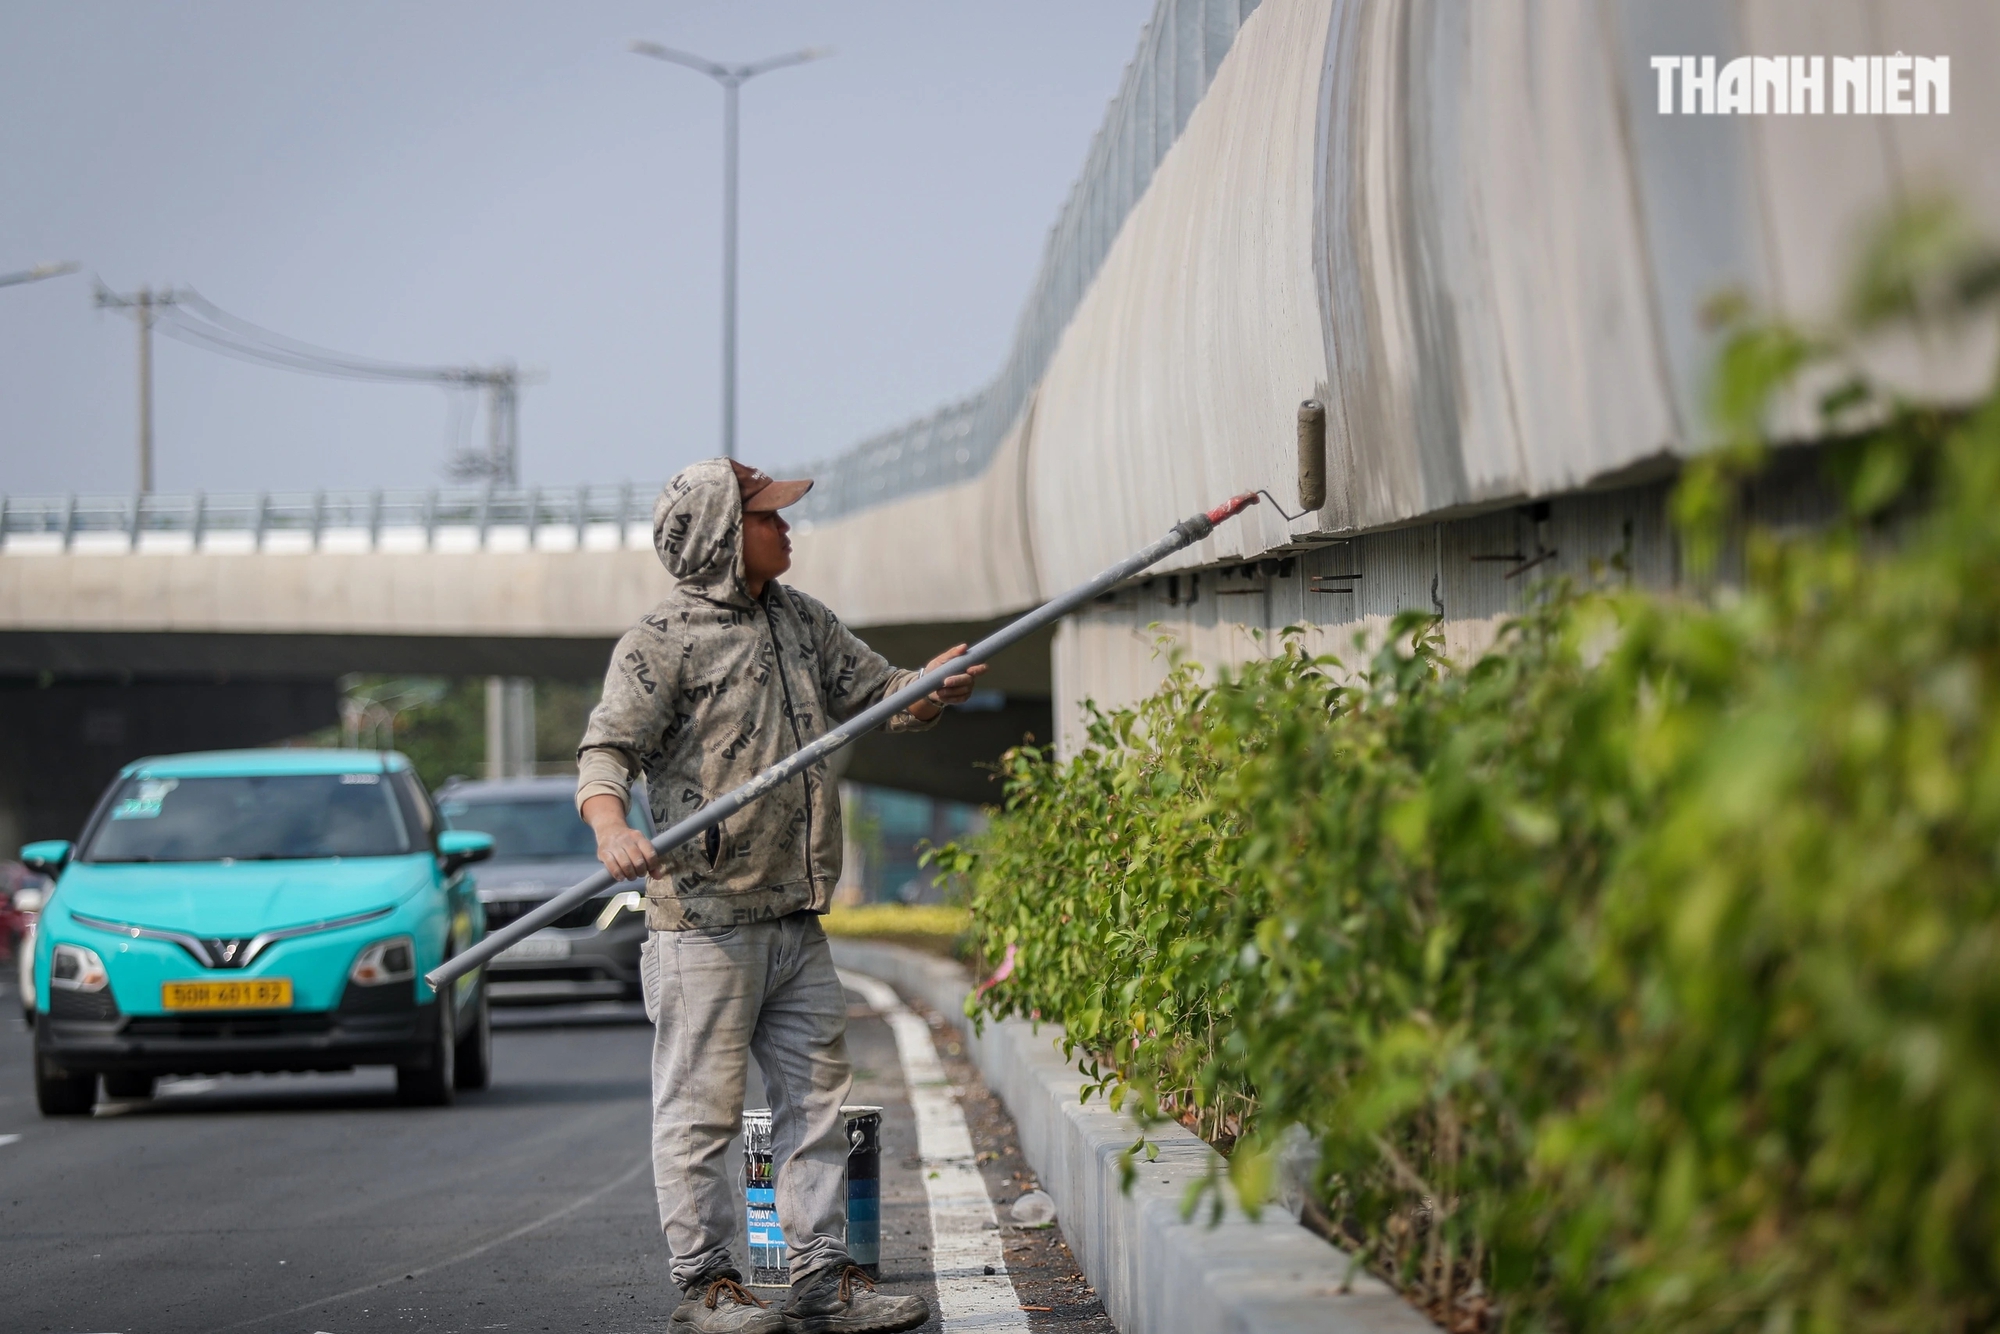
1468, 229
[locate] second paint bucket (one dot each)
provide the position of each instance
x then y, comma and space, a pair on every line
768, 1257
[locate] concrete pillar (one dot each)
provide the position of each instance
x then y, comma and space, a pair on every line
510, 726
853, 886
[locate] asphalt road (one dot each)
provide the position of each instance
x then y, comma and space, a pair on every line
315, 1203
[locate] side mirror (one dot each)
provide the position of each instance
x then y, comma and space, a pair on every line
462, 847
49, 856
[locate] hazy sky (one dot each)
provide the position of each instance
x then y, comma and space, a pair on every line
454, 183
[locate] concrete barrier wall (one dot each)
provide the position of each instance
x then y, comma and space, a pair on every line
1156, 1272
1177, 382
959, 553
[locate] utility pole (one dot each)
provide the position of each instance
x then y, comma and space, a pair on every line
142, 303
501, 463
510, 727
732, 78
503, 426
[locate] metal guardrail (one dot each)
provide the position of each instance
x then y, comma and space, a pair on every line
1179, 51
60, 521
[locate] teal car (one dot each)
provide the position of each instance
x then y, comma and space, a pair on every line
268, 910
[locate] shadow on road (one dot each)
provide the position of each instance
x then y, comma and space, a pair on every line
595, 1014
524, 1078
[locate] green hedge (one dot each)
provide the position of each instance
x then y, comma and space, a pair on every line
1643, 975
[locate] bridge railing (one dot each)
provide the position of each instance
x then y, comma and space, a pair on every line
440, 518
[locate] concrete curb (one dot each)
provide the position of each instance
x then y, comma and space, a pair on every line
1155, 1273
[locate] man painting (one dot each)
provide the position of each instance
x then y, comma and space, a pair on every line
730, 674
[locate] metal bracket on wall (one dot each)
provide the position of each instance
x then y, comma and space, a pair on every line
1537, 515
1269, 567
1173, 584
1339, 580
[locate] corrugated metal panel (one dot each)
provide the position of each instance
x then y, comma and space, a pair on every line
1476, 572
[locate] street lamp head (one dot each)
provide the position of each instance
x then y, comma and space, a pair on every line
39, 272
726, 74
641, 47
770, 63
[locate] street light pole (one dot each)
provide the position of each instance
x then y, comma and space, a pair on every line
732, 78
729, 159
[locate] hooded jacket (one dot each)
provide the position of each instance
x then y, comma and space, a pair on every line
713, 687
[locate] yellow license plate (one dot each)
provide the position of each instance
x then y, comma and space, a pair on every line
263, 993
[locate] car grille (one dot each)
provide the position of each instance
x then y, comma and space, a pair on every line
503, 912
67, 1004
389, 998
219, 1028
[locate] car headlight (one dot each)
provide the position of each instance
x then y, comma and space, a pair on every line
74, 968
391, 960
629, 901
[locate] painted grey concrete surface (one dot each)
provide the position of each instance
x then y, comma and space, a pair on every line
1156, 1272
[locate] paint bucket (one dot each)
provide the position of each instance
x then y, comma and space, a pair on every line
864, 1187
768, 1260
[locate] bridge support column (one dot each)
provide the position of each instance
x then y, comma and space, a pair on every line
510, 726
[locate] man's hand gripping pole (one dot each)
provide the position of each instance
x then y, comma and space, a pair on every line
1185, 533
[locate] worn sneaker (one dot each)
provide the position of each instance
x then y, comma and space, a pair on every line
722, 1305
843, 1300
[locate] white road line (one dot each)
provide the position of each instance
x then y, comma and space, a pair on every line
5, 1140
974, 1290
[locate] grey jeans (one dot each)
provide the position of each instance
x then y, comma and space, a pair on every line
716, 996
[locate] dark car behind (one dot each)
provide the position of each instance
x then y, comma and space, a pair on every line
542, 847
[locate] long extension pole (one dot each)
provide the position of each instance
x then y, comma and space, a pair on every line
1185, 533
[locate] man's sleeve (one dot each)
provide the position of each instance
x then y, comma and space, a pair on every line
631, 716
853, 676
605, 771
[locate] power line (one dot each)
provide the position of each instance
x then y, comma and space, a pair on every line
199, 322
197, 319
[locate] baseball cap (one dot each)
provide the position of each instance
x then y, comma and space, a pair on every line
763, 492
